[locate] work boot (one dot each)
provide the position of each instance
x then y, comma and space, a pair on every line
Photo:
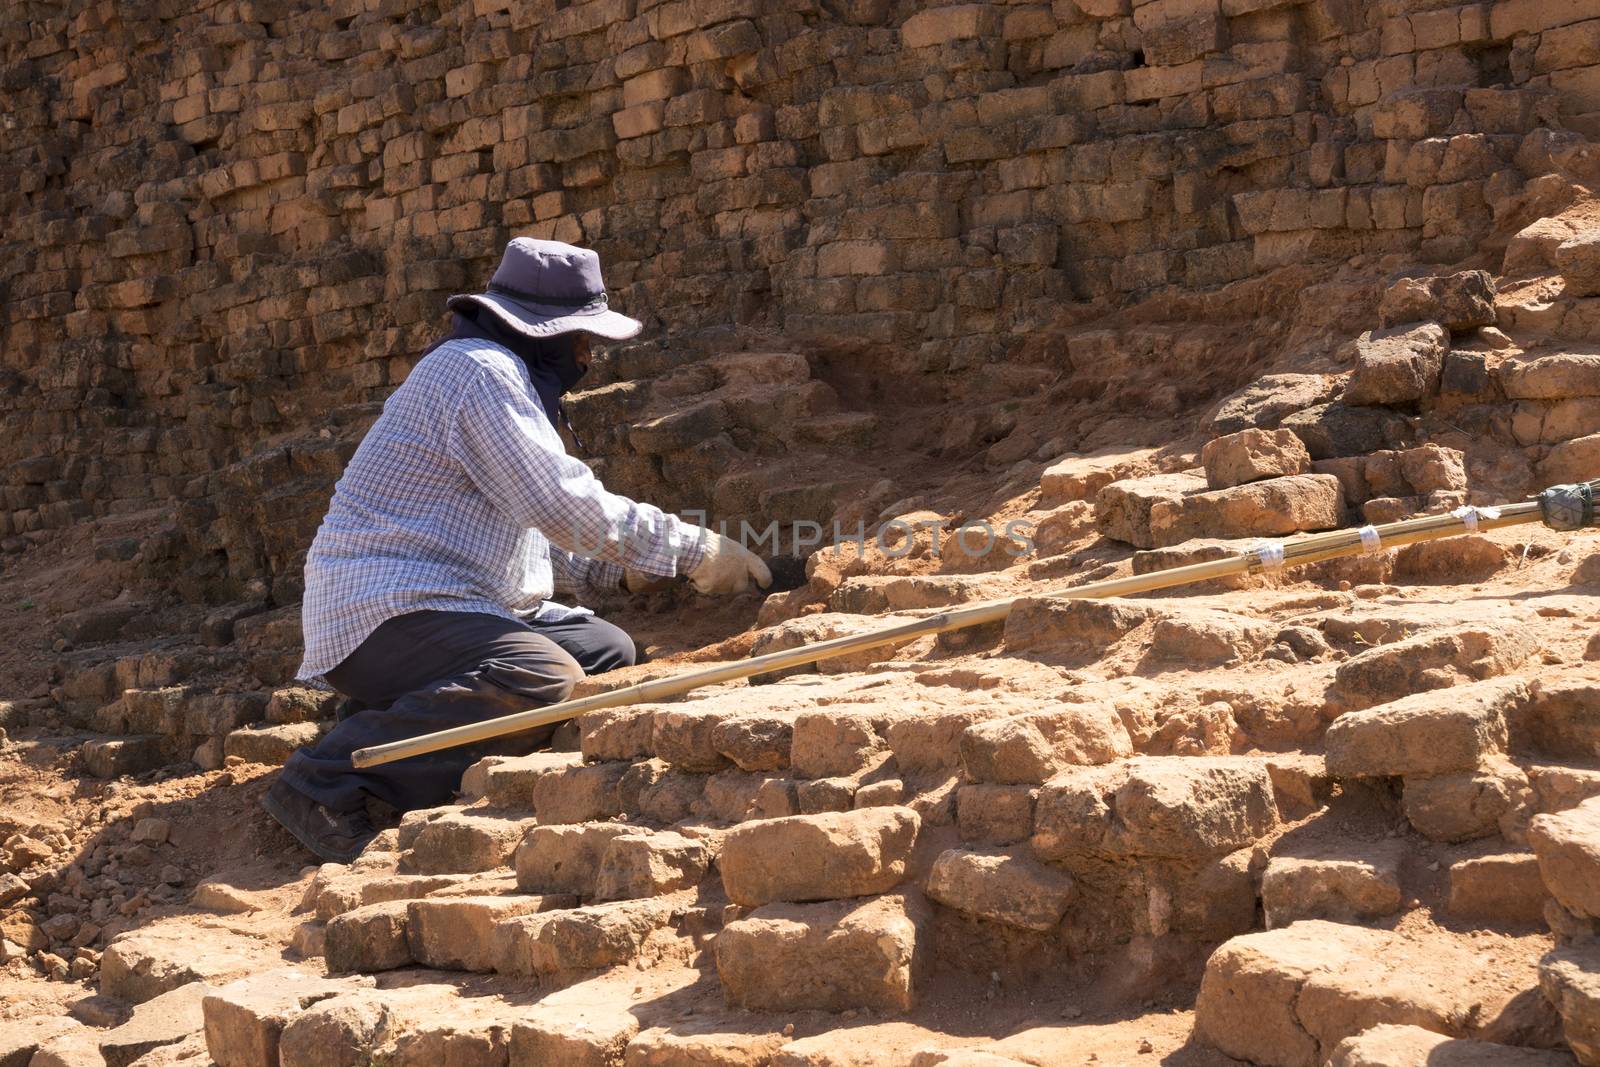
335, 836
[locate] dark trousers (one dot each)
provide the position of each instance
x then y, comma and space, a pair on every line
431, 670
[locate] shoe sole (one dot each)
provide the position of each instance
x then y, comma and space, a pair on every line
311, 845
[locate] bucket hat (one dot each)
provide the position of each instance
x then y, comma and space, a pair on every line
544, 288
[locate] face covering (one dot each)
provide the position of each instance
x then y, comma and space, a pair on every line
551, 361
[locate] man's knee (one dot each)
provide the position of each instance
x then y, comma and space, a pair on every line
569, 673
620, 648
546, 675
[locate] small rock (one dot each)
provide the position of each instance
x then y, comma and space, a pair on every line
151, 831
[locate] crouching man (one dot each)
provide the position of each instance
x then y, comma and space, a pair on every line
459, 515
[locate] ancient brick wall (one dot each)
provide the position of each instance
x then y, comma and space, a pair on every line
229, 223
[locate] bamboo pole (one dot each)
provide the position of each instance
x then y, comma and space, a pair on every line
1312, 549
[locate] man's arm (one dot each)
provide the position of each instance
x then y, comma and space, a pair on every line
511, 453
578, 574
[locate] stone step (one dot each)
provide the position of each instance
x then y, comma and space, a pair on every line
160, 1021
1567, 845
1570, 979
1433, 660
108, 757
1425, 734
457, 933
274, 743
143, 964
507, 781
833, 956
245, 1019
1345, 883
1287, 998
462, 840
566, 944
1498, 888
818, 857
1393, 1045
1167, 509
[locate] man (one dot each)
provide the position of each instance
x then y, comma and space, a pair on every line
459, 515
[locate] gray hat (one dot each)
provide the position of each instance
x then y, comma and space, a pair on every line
543, 288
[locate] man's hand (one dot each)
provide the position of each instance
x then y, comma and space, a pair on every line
728, 567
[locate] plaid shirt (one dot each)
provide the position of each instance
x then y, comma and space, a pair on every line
463, 498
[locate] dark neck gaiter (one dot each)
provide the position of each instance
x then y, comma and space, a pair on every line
551, 362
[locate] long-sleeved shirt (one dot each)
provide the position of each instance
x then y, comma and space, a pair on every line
462, 497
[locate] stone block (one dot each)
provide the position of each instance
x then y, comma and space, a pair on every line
1251, 455
1185, 808
1562, 720
594, 937
1459, 302
1264, 403
464, 842
1436, 659
1001, 887
1122, 509
1341, 887
943, 25
1207, 638
342, 1030
1569, 977
1425, 733
160, 1021
1061, 624
582, 1035
1033, 747
1397, 1045
1471, 804
1578, 260
457, 933
994, 814
1555, 377
245, 1019
113, 756
1397, 367
1075, 477
683, 740
1287, 998
835, 742
579, 794
834, 956
21, 1039
565, 858
818, 857
1340, 429
342, 894
141, 964
650, 864
272, 745
1497, 888
1571, 461
1267, 508
1567, 844
617, 734
755, 742
369, 938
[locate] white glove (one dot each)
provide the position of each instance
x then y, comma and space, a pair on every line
727, 567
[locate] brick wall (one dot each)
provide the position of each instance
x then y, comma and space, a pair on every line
228, 224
